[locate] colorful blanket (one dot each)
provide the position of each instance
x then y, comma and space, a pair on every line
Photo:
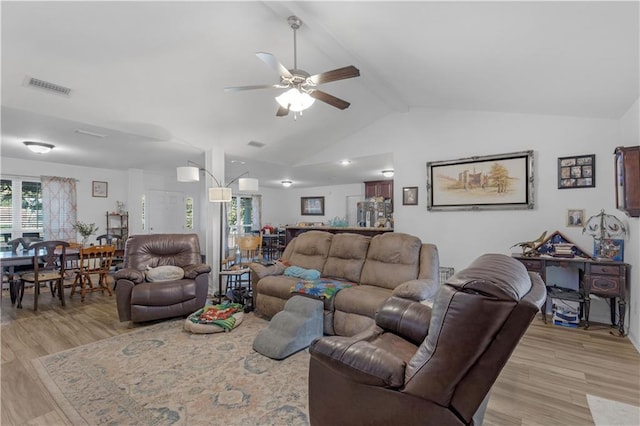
321, 288
220, 315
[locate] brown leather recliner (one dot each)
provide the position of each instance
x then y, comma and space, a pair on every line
427, 366
139, 300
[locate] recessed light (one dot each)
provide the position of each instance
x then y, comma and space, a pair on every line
39, 147
286, 183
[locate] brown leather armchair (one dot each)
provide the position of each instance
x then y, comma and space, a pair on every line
426, 366
139, 300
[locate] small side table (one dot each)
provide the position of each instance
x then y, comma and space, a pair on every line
233, 273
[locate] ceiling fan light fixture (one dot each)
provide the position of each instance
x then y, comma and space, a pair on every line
295, 100
286, 183
39, 147
387, 173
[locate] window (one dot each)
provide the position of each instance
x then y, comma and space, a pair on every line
20, 209
189, 213
243, 215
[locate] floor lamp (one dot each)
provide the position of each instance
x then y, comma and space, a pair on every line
217, 194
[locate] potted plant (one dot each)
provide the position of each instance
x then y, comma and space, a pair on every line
85, 230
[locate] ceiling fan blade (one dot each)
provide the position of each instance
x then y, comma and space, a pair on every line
258, 86
330, 99
338, 74
282, 111
271, 60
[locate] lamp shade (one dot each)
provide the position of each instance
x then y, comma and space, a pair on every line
219, 194
188, 174
248, 185
295, 100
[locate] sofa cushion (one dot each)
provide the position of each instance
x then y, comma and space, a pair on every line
392, 259
163, 294
311, 250
361, 300
346, 256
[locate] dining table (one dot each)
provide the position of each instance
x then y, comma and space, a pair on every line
10, 259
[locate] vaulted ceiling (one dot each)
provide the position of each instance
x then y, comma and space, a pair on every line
149, 76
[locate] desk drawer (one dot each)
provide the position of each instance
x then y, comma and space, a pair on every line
603, 285
532, 264
605, 270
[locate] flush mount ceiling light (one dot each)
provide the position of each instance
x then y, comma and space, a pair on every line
387, 173
286, 183
345, 162
39, 147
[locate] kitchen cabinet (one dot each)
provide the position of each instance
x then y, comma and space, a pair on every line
379, 188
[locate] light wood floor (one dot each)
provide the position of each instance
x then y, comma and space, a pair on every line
544, 383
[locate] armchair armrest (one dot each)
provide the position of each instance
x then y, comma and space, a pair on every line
192, 271
418, 290
130, 274
261, 271
359, 361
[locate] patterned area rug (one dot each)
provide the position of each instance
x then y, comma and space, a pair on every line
162, 375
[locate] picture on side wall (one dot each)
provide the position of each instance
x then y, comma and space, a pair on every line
410, 196
491, 182
575, 217
577, 172
99, 189
312, 206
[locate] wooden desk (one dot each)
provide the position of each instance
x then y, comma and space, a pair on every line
599, 277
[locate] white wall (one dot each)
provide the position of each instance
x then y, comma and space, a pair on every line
90, 209
424, 135
282, 206
630, 136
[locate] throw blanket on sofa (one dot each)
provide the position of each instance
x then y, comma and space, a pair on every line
322, 288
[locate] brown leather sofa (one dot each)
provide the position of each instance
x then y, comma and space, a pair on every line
427, 366
139, 300
384, 265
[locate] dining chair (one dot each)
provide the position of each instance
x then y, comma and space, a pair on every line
109, 239
49, 261
93, 261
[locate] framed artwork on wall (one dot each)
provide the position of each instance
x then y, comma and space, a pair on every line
99, 189
312, 206
493, 182
410, 196
575, 218
577, 172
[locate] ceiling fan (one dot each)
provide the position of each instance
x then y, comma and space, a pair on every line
302, 86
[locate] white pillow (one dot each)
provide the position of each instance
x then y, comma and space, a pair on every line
164, 273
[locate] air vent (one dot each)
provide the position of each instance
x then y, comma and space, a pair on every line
49, 87
256, 144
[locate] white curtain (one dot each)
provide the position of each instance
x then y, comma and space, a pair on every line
59, 207
256, 212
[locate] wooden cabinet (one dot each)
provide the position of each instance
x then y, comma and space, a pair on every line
627, 166
379, 188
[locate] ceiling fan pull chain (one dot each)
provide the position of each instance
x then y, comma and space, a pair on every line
295, 49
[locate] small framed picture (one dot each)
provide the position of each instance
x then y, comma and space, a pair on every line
312, 206
100, 189
410, 196
575, 218
577, 172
